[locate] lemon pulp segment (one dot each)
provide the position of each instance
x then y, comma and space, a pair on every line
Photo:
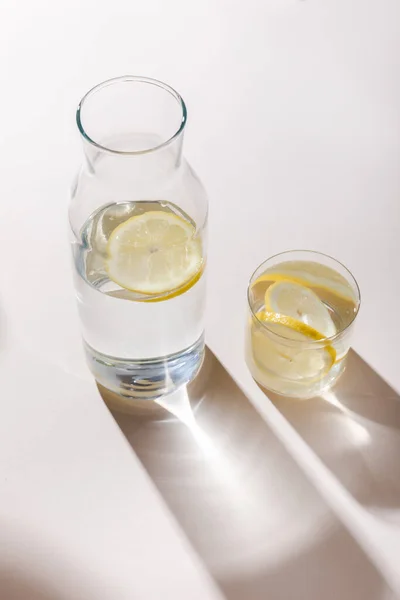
154, 253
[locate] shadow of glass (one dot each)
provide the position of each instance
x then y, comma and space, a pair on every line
355, 429
246, 507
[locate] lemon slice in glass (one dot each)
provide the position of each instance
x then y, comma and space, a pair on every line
313, 275
154, 253
279, 357
301, 303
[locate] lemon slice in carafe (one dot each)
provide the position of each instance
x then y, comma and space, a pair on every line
154, 253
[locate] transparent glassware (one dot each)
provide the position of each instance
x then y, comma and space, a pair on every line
302, 308
138, 219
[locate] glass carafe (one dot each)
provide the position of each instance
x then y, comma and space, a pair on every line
138, 217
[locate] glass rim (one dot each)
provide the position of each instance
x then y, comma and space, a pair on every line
135, 79
311, 342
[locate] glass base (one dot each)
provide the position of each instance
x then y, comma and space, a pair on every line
146, 379
296, 389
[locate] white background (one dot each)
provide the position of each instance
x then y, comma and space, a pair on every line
294, 128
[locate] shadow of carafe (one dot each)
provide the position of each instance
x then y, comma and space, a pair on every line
255, 520
355, 429
17, 585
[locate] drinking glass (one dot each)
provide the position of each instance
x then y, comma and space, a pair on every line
138, 217
302, 308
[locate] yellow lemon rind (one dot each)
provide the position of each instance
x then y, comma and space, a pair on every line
292, 323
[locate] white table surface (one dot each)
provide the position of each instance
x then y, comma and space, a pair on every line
294, 127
